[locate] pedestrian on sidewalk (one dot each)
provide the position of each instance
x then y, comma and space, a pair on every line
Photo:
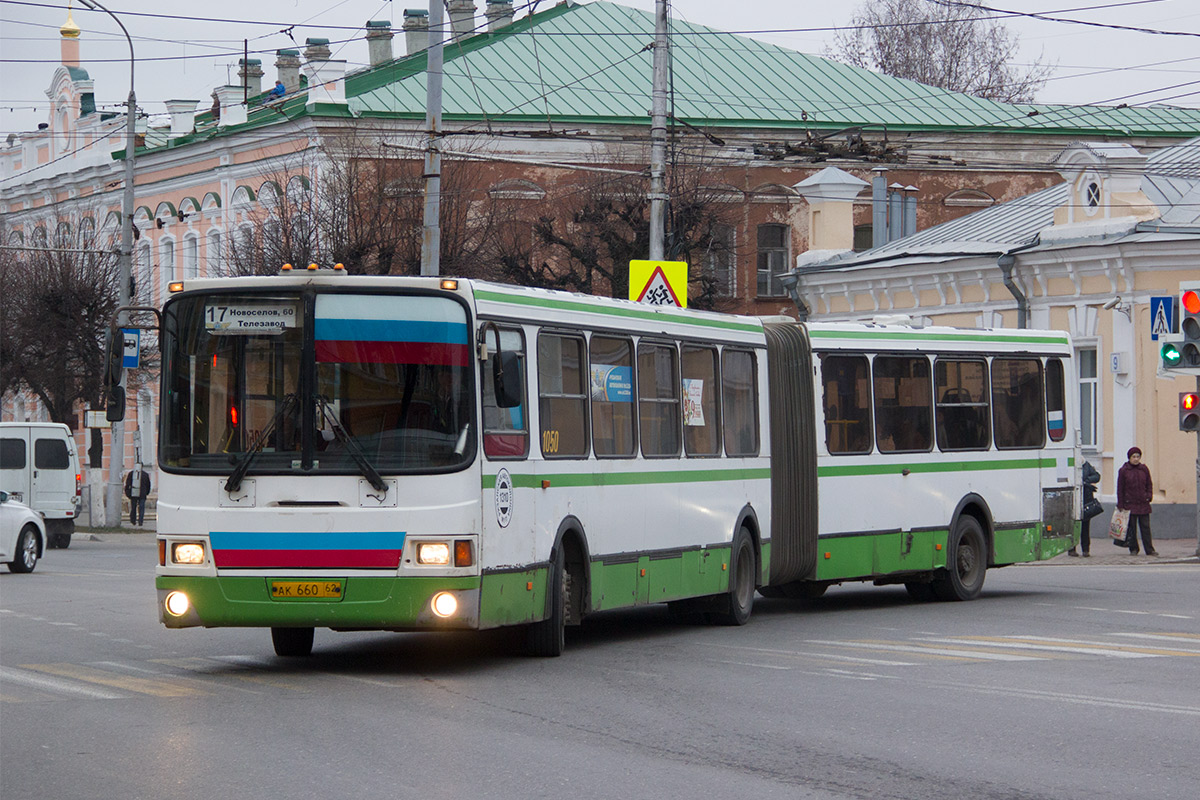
1135, 490
1090, 478
137, 486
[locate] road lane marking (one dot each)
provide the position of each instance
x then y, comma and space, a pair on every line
56, 685
1088, 643
749, 664
807, 654
155, 687
1000, 641
935, 652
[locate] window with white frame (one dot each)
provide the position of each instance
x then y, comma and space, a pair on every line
1089, 397
191, 257
166, 265
141, 276
772, 258
212, 254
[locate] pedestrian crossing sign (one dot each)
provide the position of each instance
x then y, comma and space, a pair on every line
1163, 319
658, 283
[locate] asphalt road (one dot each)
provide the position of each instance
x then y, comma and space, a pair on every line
1072, 681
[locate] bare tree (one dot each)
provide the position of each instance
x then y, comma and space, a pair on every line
363, 208
582, 237
59, 299
945, 44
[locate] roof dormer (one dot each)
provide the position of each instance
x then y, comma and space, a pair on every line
1106, 184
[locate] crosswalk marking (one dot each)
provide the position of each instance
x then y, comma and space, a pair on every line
152, 686
35, 681
944, 653
1059, 645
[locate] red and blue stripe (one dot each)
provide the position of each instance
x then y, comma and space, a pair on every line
391, 330
306, 550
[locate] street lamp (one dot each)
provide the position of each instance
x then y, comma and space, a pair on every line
116, 463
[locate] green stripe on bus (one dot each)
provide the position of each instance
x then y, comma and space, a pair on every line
612, 311
937, 337
947, 466
571, 480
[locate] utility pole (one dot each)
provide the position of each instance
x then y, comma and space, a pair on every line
658, 135
116, 460
431, 234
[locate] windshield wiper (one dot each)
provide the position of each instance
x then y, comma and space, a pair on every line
235, 478
368, 471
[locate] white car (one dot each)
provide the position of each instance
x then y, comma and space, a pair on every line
22, 535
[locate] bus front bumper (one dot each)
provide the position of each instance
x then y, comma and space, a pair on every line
364, 602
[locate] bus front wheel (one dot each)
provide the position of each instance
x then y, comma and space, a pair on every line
548, 637
966, 562
734, 607
292, 642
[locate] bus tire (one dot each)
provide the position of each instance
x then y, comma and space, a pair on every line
292, 642
733, 608
25, 557
966, 562
548, 637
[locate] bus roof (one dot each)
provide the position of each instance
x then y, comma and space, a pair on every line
517, 303
869, 336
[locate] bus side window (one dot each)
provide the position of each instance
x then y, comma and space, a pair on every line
739, 399
562, 395
1018, 407
847, 403
903, 404
658, 399
701, 431
1056, 405
963, 417
612, 396
505, 430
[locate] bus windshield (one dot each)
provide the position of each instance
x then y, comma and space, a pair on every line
341, 383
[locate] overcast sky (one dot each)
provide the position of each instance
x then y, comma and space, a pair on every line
1094, 65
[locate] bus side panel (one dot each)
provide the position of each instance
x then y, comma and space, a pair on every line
865, 556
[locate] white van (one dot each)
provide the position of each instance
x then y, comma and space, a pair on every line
40, 468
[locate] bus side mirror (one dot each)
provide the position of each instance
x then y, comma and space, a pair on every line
506, 377
114, 403
114, 393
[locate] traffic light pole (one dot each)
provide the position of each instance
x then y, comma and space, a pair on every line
1197, 530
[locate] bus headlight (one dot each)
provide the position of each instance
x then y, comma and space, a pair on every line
177, 604
187, 553
433, 554
445, 604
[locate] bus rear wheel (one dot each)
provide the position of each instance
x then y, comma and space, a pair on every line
966, 562
734, 608
292, 642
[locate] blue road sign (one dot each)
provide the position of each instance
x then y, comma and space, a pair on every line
133, 347
1163, 316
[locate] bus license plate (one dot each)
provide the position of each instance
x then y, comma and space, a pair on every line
287, 590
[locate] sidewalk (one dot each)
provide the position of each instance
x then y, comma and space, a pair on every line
1170, 551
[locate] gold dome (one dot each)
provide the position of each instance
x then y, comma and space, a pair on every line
69, 30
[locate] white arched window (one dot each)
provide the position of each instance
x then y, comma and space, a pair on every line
212, 254
141, 273
191, 257
166, 265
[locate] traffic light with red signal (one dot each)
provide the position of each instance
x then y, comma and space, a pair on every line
1189, 411
1189, 326
1180, 352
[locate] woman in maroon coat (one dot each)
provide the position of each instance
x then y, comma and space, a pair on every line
1134, 493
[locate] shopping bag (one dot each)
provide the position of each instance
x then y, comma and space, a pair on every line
1119, 523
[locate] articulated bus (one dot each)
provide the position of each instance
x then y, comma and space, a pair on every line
420, 454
